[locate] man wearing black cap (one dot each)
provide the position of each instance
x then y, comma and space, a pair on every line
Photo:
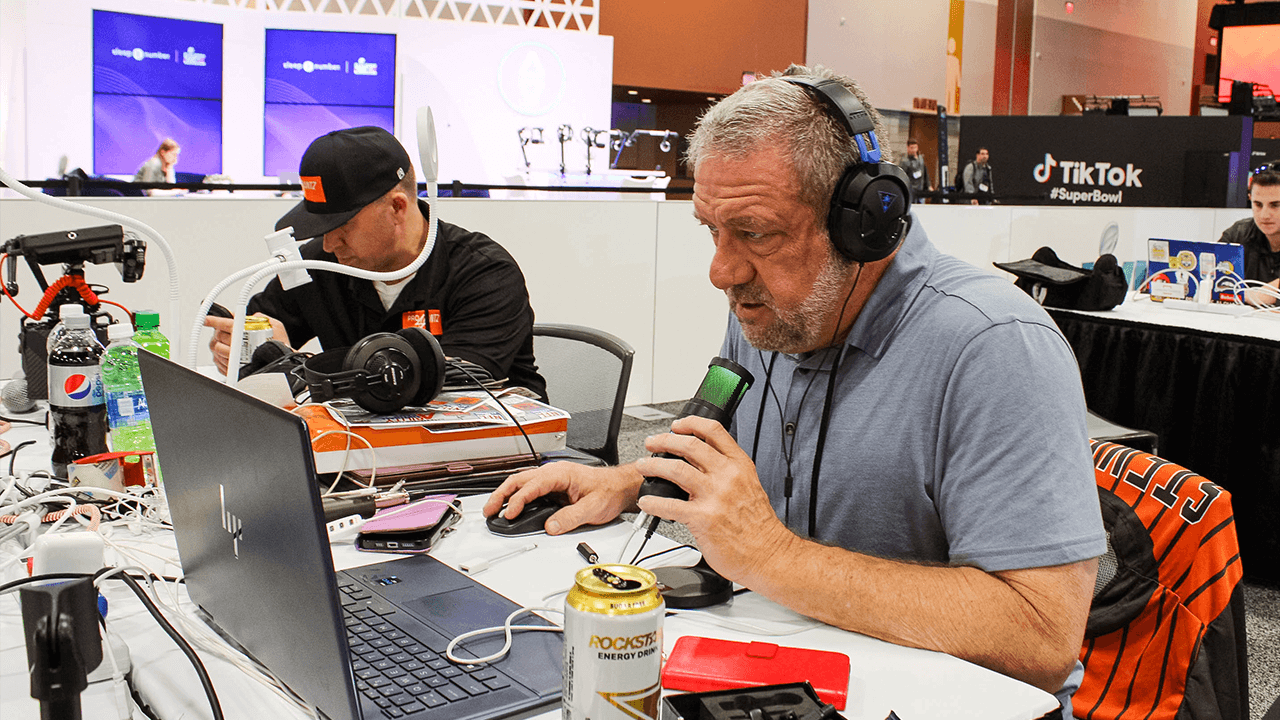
361, 207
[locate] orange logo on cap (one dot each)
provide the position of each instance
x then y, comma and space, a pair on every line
312, 188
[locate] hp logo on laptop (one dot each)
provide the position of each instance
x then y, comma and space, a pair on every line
230, 522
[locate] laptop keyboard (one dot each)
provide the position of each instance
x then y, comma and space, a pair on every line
400, 673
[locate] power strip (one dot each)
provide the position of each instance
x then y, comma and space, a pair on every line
1217, 308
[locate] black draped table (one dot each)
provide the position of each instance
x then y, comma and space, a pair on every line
1209, 386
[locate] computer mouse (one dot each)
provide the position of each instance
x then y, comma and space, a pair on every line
531, 519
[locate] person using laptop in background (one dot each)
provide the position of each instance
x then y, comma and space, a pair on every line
1260, 234
159, 168
911, 462
361, 207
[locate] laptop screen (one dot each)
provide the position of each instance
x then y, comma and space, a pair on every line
240, 478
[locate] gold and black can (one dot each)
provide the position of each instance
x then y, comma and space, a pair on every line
257, 330
613, 644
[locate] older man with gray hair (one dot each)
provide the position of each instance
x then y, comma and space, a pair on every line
912, 461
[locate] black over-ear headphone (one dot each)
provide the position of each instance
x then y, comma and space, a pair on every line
869, 207
382, 372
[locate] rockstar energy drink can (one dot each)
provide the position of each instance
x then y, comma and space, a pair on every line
257, 330
613, 644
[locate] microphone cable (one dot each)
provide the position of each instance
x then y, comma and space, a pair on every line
461, 366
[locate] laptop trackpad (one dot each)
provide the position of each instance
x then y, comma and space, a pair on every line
536, 656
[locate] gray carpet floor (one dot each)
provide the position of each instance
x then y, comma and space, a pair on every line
1262, 604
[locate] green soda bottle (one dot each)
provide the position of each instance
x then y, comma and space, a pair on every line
148, 333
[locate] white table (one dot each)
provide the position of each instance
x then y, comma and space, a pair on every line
916, 684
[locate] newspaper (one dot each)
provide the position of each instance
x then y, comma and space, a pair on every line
453, 410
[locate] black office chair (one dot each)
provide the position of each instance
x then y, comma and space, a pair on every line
587, 373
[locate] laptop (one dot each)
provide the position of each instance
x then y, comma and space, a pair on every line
1184, 265
364, 643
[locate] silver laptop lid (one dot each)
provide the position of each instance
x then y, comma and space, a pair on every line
240, 479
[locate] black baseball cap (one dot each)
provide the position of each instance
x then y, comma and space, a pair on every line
341, 173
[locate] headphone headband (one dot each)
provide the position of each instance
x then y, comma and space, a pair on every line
867, 218
382, 372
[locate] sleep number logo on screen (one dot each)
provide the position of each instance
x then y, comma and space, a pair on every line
359, 67
308, 66
139, 54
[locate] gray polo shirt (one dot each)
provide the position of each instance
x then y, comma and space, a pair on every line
957, 429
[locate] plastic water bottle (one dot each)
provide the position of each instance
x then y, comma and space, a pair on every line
61, 327
148, 334
77, 414
127, 411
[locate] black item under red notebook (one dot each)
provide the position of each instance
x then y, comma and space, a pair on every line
698, 664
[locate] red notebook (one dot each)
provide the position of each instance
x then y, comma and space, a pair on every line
698, 664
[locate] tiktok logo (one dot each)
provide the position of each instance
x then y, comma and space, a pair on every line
1045, 169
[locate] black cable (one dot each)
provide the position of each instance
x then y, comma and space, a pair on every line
645, 541
651, 556
9, 586
22, 421
537, 458
13, 456
181, 642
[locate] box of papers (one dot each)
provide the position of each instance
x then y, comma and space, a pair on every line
456, 426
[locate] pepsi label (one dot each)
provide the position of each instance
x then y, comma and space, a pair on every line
75, 386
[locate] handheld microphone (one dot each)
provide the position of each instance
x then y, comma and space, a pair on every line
15, 396
717, 398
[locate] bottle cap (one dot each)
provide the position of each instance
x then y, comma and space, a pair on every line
146, 319
119, 331
75, 322
69, 309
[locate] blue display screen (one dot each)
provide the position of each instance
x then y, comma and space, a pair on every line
289, 129
313, 67
319, 81
156, 78
161, 57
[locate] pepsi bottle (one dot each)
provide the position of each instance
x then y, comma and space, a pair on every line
77, 405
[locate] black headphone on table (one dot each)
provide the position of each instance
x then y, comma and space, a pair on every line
869, 207
382, 372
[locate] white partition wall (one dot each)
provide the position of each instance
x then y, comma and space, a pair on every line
637, 269
483, 81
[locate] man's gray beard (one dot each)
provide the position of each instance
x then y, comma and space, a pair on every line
798, 330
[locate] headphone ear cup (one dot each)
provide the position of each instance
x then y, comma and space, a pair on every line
868, 211
391, 371
317, 371
430, 363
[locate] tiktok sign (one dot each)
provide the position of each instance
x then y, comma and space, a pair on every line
1100, 160
1085, 181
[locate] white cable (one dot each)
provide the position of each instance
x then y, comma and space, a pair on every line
114, 217
373, 463
480, 564
642, 517
506, 629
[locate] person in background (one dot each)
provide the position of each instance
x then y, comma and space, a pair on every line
1260, 234
917, 171
880, 475
159, 167
977, 178
360, 205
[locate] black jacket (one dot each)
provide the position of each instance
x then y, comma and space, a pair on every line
1260, 261
472, 281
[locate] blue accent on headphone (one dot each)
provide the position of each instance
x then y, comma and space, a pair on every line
868, 156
